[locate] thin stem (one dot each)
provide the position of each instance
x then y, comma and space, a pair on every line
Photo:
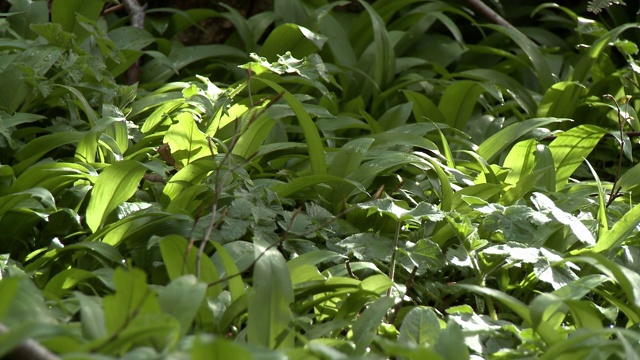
392, 263
614, 192
489, 13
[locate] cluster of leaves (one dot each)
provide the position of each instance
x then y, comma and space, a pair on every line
396, 181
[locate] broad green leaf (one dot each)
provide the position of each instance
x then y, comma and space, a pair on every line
182, 298
450, 343
520, 160
296, 39
236, 285
628, 280
292, 187
66, 13
547, 333
499, 141
396, 116
9, 288
36, 148
377, 284
132, 296
182, 259
136, 229
87, 147
92, 316
519, 93
52, 176
116, 184
619, 233
314, 143
420, 327
67, 280
217, 348
349, 157
585, 64
458, 102
269, 322
99, 250
423, 108
15, 88
383, 62
252, 138
561, 100
186, 141
366, 326
570, 148
192, 174
629, 180
532, 50
161, 70
24, 14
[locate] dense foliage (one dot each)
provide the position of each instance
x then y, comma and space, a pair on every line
333, 180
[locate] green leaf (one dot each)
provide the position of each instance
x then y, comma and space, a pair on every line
561, 100
547, 333
619, 233
366, 326
314, 143
499, 141
116, 184
458, 102
65, 13
296, 39
66, 280
586, 63
15, 89
186, 141
252, 138
236, 285
451, 344
420, 327
216, 348
520, 160
181, 259
532, 50
269, 322
303, 182
132, 296
383, 62
92, 316
570, 148
182, 298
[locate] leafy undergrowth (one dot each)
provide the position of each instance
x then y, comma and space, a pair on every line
332, 182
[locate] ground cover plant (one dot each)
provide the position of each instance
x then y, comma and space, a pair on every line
329, 180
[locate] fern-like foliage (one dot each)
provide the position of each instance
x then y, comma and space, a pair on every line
596, 6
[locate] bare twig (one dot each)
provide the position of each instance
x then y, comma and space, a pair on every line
347, 264
489, 13
29, 349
